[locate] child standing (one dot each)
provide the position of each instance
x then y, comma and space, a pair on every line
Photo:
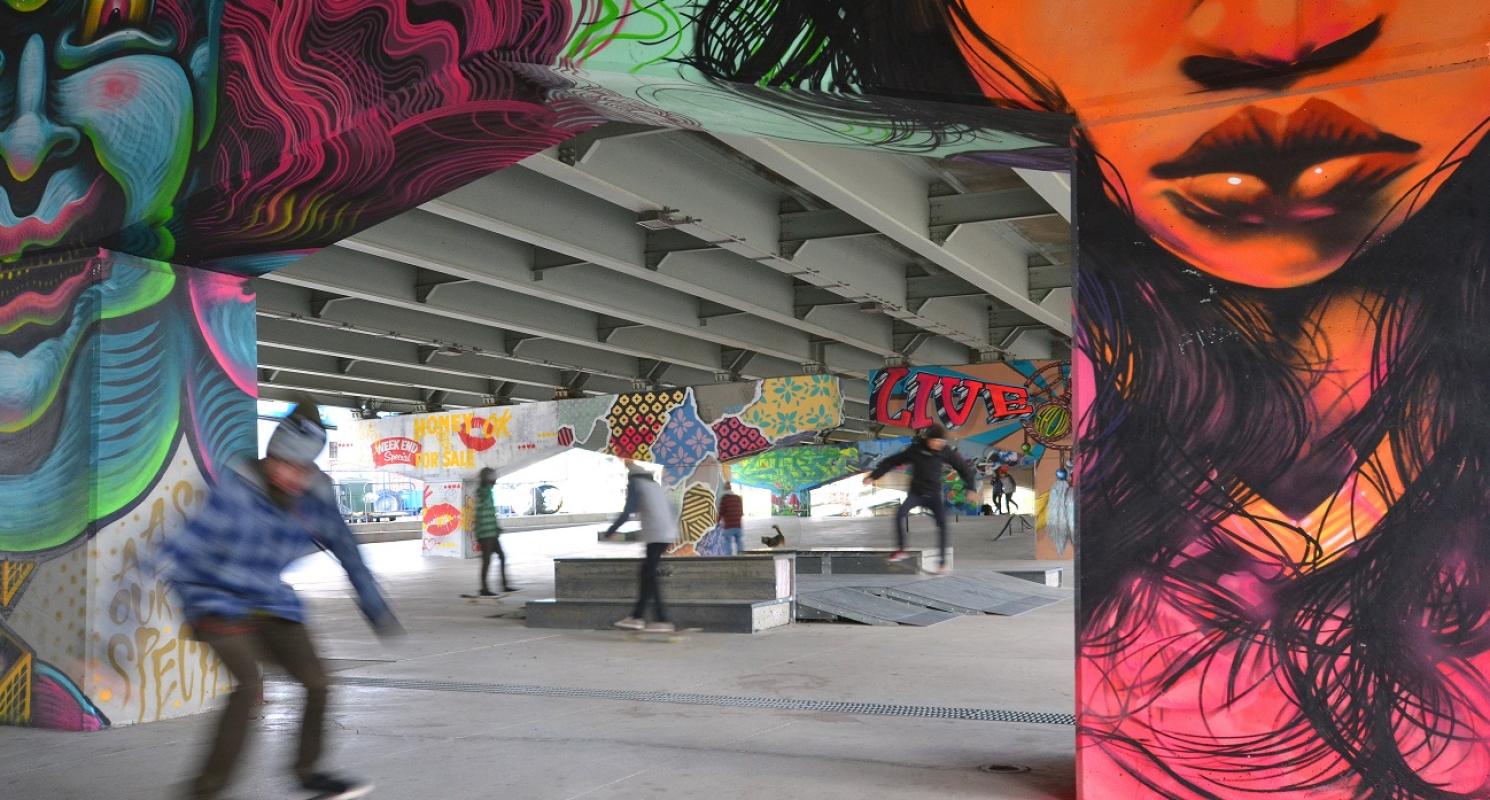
732, 519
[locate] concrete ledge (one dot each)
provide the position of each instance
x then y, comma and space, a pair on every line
378, 532
405, 530
730, 578
861, 560
716, 616
1050, 576
549, 521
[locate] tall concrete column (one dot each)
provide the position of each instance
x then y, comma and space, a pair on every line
126, 385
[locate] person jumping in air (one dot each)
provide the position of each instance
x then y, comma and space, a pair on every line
647, 501
928, 457
732, 520
489, 533
225, 566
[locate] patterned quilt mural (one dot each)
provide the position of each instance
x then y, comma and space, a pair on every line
688, 432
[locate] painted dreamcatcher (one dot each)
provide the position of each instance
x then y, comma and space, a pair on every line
1050, 424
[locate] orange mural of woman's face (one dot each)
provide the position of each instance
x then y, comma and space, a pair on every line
1263, 141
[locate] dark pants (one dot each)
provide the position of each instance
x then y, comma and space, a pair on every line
938, 508
490, 545
241, 645
651, 587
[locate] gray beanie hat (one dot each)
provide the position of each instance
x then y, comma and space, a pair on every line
297, 440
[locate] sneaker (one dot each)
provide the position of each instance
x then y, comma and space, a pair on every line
509, 589
942, 570
662, 627
332, 787
631, 624
899, 555
487, 593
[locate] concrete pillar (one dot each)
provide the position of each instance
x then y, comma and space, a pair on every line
125, 386
449, 519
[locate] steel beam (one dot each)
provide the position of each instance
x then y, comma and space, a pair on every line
454, 247
389, 282
860, 278
999, 205
369, 348
1054, 187
560, 218
422, 325
383, 374
892, 199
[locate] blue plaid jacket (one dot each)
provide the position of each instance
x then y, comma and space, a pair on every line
227, 561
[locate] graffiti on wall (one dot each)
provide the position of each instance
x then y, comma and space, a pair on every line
234, 133
445, 522
240, 133
1281, 301
1281, 280
142, 662
999, 414
120, 373
1281, 285
688, 432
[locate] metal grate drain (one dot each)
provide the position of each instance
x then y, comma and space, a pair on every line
680, 698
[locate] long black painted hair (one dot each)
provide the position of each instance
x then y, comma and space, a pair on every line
1366, 643
1369, 644
871, 62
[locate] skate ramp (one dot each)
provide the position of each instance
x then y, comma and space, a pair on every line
918, 600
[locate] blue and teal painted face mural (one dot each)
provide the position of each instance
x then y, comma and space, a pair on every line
96, 390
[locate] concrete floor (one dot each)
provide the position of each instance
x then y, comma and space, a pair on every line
461, 745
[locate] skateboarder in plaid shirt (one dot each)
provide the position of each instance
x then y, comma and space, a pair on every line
225, 566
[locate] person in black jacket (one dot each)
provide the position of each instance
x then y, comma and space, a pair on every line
928, 457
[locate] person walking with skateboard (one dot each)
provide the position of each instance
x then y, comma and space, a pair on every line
648, 501
732, 520
225, 567
489, 533
929, 458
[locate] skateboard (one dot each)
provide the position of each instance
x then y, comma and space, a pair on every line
353, 794
476, 598
662, 636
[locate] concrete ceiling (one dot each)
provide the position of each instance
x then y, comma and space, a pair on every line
634, 257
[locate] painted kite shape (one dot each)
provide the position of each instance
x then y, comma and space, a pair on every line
738, 440
683, 445
582, 416
636, 420
796, 406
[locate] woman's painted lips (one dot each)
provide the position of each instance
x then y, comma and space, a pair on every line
1260, 167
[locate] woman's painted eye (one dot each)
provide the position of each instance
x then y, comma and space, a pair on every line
103, 17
